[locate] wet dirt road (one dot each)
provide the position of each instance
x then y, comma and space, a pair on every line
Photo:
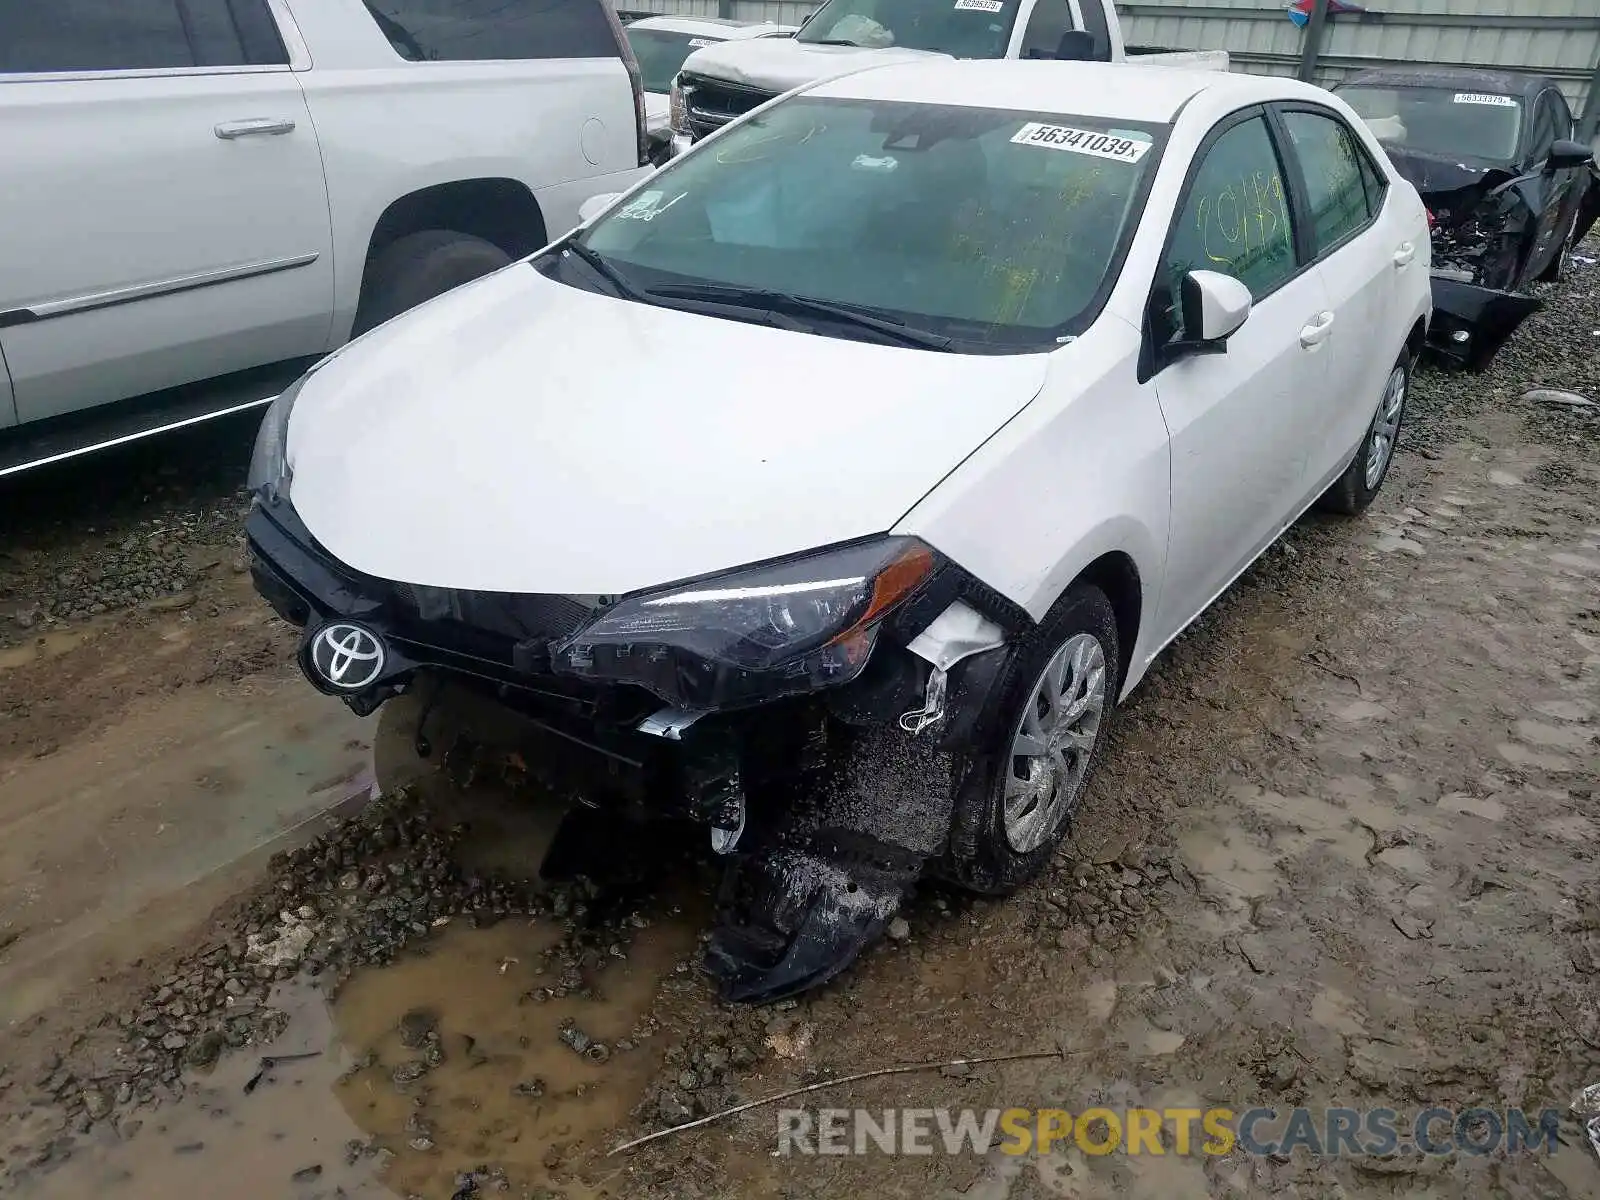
1341, 853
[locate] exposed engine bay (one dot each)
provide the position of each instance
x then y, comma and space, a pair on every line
1485, 224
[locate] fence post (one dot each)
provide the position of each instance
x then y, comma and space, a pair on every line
1311, 51
725, 9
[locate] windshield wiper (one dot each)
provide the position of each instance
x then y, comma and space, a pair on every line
836, 42
605, 270
855, 316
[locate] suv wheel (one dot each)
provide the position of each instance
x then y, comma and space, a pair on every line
1014, 803
419, 267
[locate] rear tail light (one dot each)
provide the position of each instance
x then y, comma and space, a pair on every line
635, 82
1431, 221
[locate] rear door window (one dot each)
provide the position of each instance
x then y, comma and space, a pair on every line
1332, 163
474, 30
53, 36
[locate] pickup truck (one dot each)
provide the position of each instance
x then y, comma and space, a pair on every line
206, 196
719, 83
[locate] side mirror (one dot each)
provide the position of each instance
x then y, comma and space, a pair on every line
1076, 45
806, 20
1566, 153
595, 205
1213, 307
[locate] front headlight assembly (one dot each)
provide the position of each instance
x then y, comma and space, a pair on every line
755, 634
270, 474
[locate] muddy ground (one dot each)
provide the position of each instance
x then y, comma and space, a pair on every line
1341, 852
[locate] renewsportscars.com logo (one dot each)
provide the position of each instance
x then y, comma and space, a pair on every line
1372, 1132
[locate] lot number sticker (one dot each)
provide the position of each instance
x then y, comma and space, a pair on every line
1481, 98
988, 6
697, 43
1080, 141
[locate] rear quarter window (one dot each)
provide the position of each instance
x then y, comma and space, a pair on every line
477, 30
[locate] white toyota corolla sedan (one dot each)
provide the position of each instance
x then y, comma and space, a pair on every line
832, 486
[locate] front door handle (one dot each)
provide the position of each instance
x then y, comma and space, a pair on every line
254, 127
1316, 330
1404, 255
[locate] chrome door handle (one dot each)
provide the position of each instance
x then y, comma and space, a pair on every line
1404, 255
1316, 331
254, 127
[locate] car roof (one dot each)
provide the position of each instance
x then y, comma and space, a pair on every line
717, 27
1465, 79
1125, 91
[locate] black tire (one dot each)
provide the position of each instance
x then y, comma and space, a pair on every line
980, 856
419, 267
1351, 493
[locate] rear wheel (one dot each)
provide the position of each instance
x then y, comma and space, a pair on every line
1015, 802
1355, 490
419, 267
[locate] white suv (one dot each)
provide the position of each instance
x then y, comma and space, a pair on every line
204, 195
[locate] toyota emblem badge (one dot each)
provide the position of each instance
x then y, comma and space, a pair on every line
347, 658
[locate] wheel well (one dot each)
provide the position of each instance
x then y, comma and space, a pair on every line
502, 211
1418, 337
1116, 575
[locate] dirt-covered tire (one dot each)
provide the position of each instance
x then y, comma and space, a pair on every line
419, 267
1355, 490
993, 849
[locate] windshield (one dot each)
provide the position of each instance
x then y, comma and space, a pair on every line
985, 225
661, 53
1440, 121
963, 28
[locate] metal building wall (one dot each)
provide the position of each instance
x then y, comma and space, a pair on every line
1559, 38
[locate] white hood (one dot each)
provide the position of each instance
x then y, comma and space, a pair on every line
778, 64
521, 435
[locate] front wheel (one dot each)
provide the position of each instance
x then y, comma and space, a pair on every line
1356, 489
1015, 800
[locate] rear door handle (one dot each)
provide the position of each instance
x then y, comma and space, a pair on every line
254, 127
1316, 331
1404, 255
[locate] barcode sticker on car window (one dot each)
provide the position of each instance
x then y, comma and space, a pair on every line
1483, 98
989, 6
697, 43
1081, 141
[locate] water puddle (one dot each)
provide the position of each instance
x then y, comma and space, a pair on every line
454, 1059
510, 1092
285, 1138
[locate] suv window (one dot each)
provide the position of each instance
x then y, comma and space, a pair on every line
1042, 38
1235, 220
472, 30
1332, 163
1094, 21
135, 35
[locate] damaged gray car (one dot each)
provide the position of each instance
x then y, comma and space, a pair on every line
1492, 155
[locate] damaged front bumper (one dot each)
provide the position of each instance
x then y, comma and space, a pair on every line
828, 802
1471, 323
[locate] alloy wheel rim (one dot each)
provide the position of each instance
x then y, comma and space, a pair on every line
1386, 426
1053, 742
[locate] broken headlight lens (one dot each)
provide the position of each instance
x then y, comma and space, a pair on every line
270, 473
754, 634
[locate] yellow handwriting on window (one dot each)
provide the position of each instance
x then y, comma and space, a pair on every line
1242, 218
